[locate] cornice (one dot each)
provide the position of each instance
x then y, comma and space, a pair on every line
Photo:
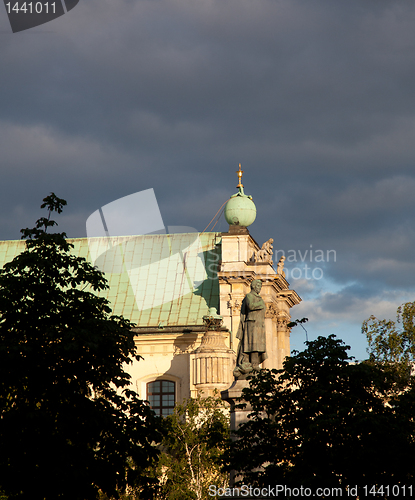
290, 296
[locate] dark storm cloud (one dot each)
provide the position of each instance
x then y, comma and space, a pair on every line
302, 71
315, 99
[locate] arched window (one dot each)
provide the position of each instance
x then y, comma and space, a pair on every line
161, 396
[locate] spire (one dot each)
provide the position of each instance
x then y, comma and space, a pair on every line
240, 210
240, 172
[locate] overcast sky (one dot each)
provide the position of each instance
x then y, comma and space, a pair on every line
316, 99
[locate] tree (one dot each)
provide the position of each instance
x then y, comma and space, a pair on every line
196, 435
322, 421
70, 426
392, 344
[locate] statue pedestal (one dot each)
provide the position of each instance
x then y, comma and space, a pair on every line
233, 396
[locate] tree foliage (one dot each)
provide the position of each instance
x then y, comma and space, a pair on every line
196, 435
69, 424
392, 343
322, 421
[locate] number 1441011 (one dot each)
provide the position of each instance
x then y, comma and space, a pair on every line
31, 7
388, 490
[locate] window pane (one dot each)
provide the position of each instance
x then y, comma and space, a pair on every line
167, 386
161, 396
153, 387
154, 400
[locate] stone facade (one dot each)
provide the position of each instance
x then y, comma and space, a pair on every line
239, 266
199, 358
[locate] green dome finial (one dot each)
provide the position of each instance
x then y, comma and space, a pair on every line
240, 209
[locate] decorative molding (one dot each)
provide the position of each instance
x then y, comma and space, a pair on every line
234, 303
212, 342
212, 321
271, 310
282, 323
282, 320
183, 348
236, 277
289, 296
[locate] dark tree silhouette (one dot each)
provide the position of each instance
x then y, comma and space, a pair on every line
69, 426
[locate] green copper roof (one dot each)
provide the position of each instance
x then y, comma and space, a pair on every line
153, 279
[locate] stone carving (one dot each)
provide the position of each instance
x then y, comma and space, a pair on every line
280, 266
212, 341
212, 320
271, 311
264, 254
183, 349
251, 333
234, 304
282, 323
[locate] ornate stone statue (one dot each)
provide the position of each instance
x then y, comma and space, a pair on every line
264, 254
280, 266
251, 333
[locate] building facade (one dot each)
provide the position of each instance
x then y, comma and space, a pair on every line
184, 292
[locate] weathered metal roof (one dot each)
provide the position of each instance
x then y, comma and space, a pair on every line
153, 279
